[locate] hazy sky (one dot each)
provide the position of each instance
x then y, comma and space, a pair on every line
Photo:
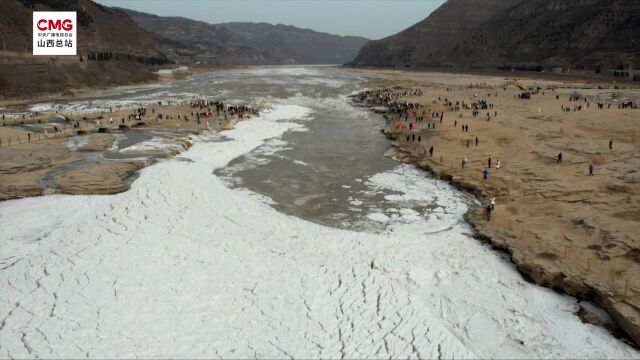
370, 18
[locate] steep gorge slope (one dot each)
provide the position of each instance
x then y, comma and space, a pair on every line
248, 43
303, 46
423, 42
100, 29
582, 33
187, 40
516, 33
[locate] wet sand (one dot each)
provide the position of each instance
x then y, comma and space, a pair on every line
23, 165
564, 229
28, 157
98, 142
102, 178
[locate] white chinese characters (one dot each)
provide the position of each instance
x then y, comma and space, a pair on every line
54, 33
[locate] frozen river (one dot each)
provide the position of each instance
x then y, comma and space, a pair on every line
290, 236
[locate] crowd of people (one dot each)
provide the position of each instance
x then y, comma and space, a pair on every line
405, 115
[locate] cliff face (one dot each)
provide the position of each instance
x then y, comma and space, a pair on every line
423, 43
556, 33
248, 43
487, 34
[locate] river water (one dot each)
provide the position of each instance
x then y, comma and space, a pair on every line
288, 236
321, 172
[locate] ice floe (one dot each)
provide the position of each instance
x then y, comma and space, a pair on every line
183, 266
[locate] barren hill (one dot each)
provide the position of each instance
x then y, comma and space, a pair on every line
100, 27
303, 46
582, 33
516, 33
187, 40
248, 43
423, 42
127, 49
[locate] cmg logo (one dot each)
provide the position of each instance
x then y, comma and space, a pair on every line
54, 33
44, 24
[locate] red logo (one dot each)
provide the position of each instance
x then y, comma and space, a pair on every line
44, 25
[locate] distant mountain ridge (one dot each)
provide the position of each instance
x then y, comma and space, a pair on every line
186, 40
304, 46
515, 33
113, 49
241, 43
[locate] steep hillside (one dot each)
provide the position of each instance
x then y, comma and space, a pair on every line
100, 27
187, 40
516, 34
127, 48
248, 43
422, 43
304, 46
15, 25
583, 33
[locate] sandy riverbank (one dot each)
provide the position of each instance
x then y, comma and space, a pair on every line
225, 273
28, 156
565, 229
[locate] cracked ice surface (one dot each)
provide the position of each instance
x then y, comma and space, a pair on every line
182, 266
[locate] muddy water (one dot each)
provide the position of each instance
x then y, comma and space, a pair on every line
329, 169
322, 173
